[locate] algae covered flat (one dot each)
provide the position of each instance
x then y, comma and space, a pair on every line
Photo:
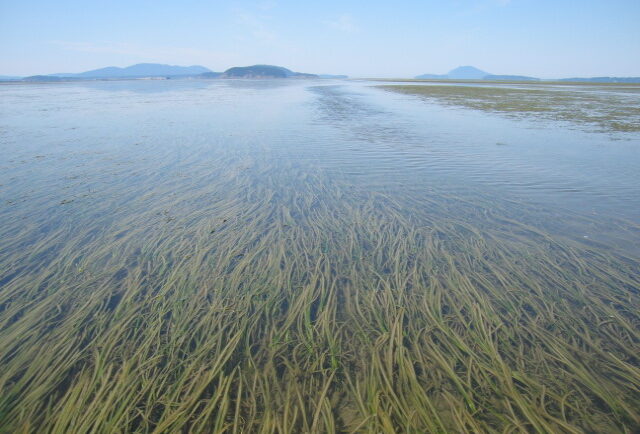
605, 107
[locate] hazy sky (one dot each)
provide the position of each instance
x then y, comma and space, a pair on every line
543, 38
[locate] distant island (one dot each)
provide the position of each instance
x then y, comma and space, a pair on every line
140, 70
162, 71
459, 73
167, 72
473, 73
264, 71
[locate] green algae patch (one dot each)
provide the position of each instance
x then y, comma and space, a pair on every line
599, 109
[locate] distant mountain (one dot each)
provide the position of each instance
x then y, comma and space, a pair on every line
472, 73
459, 73
263, 71
154, 70
492, 77
603, 79
157, 70
467, 73
140, 70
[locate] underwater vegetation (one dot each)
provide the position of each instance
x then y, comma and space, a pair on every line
314, 308
200, 283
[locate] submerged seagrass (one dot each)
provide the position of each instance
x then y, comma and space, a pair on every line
229, 286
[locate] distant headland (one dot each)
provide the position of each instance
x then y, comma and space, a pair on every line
473, 73
158, 71
162, 71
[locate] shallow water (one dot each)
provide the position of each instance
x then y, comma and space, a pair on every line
86, 142
116, 194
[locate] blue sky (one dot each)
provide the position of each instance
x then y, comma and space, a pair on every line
360, 38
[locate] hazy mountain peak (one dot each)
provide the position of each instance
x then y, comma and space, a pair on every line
140, 70
467, 72
461, 72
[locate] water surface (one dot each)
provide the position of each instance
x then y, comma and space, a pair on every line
264, 238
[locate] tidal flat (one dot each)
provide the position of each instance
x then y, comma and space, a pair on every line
606, 107
313, 256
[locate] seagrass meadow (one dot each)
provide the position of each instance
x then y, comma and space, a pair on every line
257, 256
